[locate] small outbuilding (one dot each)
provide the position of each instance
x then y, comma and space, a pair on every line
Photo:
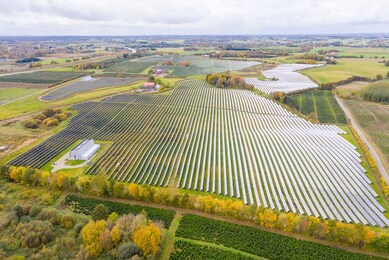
86, 78
84, 150
149, 86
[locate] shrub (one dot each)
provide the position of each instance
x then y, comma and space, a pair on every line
31, 123
100, 212
61, 117
50, 122
67, 221
35, 210
127, 250
18, 210
34, 233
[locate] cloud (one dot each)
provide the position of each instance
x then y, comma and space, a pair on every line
126, 17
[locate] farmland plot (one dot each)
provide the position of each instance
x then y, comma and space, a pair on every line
8, 95
129, 67
288, 79
199, 65
225, 141
83, 86
41, 77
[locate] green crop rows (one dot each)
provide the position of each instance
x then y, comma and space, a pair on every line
129, 67
320, 102
86, 206
377, 92
188, 251
257, 242
41, 77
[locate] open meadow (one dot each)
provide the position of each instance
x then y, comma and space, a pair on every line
346, 68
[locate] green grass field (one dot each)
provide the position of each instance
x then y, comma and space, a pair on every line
345, 69
9, 95
366, 52
320, 104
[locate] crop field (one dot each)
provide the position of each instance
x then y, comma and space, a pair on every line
374, 120
129, 67
377, 92
288, 79
86, 206
346, 68
83, 86
320, 102
8, 95
257, 242
41, 77
225, 141
199, 65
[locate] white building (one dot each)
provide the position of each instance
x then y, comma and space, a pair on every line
86, 78
84, 151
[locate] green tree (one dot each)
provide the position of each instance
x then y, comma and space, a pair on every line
100, 212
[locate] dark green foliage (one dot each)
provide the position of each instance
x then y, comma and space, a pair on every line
86, 205
41, 77
100, 212
127, 250
186, 250
377, 92
320, 102
258, 242
381, 244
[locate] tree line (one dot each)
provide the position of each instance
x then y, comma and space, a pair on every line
100, 185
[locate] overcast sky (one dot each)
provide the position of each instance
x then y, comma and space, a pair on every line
144, 17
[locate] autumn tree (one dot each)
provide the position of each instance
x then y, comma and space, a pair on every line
148, 239
91, 236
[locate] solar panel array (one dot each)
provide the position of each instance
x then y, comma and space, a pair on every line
225, 141
287, 79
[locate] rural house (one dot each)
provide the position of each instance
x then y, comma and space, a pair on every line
84, 151
149, 86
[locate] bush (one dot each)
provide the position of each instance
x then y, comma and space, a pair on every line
100, 212
34, 233
18, 210
34, 211
127, 250
50, 122
67, 221
31, 123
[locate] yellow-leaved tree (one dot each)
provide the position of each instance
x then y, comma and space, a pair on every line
91, 236
115, 235
148, 239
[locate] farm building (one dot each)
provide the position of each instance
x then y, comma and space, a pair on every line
86, 78
84, 151
149, 86
160, 71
